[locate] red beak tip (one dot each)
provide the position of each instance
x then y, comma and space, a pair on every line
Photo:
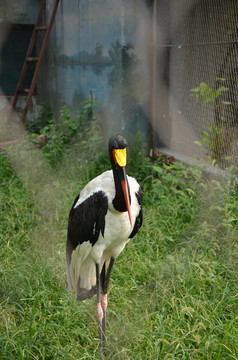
126, 196
130, 218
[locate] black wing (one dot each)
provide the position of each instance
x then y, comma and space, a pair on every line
87, 220
139, 218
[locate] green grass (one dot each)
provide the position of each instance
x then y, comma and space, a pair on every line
174, 289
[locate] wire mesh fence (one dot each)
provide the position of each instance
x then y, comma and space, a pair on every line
196, 75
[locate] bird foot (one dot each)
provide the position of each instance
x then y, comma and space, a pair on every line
99, 312
103, 299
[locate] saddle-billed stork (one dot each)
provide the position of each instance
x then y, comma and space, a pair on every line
104, 217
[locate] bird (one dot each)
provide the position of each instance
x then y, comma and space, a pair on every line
105, 215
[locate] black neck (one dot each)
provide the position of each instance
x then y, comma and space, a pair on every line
119, 201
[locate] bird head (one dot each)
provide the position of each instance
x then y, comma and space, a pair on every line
117, 151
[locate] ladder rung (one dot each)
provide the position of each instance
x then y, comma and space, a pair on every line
30, 58
41, 27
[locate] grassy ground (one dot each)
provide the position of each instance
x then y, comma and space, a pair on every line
174, 290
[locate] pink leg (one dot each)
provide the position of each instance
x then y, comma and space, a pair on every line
103, 296
103, 300
99, 310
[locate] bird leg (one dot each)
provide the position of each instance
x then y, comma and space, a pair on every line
99, 309
105, 283
103, 299
102, 283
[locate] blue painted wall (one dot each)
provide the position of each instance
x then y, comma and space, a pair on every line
101, 46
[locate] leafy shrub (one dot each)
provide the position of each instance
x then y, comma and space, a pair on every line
217, 135
68, 130
34, 126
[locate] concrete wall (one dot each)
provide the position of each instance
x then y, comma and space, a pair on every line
20, 12
194, 45
140, 59
101, 46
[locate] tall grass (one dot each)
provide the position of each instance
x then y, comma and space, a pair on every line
173, 293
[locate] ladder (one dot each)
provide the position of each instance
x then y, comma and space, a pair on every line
37, 60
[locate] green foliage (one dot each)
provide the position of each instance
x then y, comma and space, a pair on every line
173, 290
69, 129
34, 126
212, 138
208, 96
59, 135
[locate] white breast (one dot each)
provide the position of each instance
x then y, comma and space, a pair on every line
118, 227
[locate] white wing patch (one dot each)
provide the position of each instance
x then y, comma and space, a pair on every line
73, 270
103, 182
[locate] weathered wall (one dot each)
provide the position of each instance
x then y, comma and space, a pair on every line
20, 12
140, 59
101, 46
197, 43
